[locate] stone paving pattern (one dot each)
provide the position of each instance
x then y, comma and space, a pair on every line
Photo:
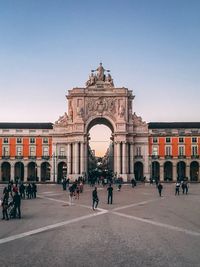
139, 229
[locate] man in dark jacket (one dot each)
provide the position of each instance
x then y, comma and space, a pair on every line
5, 204
95, 199
17, 205
110, 194
160, 188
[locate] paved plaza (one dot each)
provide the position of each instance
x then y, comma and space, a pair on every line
139, 229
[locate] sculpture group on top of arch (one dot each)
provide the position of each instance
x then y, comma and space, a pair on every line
99, 75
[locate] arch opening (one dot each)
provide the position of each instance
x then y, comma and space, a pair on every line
100, 150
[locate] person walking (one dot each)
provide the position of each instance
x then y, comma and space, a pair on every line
22, 190
110, 194
5, 204
160, 188
95, 199
17, 205
177, 188
71, 194
34, 190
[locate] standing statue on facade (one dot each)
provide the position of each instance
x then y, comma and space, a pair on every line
100, 73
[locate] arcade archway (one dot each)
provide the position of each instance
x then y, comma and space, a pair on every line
168, 171
138, 171
181, 170
194, 171
155, 170
5, 171
32, 171
19, 171
45, 171
62, 171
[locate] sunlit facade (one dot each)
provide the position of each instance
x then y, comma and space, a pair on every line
26, 152
47, 152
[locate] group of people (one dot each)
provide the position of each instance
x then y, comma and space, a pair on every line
12, 195
74, 190
183, 185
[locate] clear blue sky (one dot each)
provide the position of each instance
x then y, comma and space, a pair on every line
150, 46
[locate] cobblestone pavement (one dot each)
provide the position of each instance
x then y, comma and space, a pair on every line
138, 229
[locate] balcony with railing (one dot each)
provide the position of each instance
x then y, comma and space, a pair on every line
19, 157
138, 157
195, 157
5, 157
181, 156
155, 156
46, 157
62, 157
32, 157
168, 156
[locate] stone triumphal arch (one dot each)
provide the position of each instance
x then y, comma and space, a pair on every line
100, 102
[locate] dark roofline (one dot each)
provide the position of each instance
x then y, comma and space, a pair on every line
173, 125
26, 125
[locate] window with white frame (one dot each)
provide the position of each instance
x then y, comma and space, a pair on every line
32, 140
45, 140
19, 150
6, 151
155, 140
168, 150
32, 151
181, 151
45, 151
19, 140
181, 140
194, 139
168, 140
155, 151
61, 151
5, 140
194, 150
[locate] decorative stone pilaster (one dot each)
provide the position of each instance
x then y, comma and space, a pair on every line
69, 159
124, 158
174, 173
39, 172
187, 171
76, 158
118, 160
82, 159
131, 159
12, 172
161, 173
25, 173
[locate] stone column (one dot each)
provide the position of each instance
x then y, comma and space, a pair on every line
187, 172
25, 173
174, 173
118, 160
69, 155
161, 173
53, 164
124, 158
131, 159
76, 158
12, 172
39, 172
86, 158
82, 159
